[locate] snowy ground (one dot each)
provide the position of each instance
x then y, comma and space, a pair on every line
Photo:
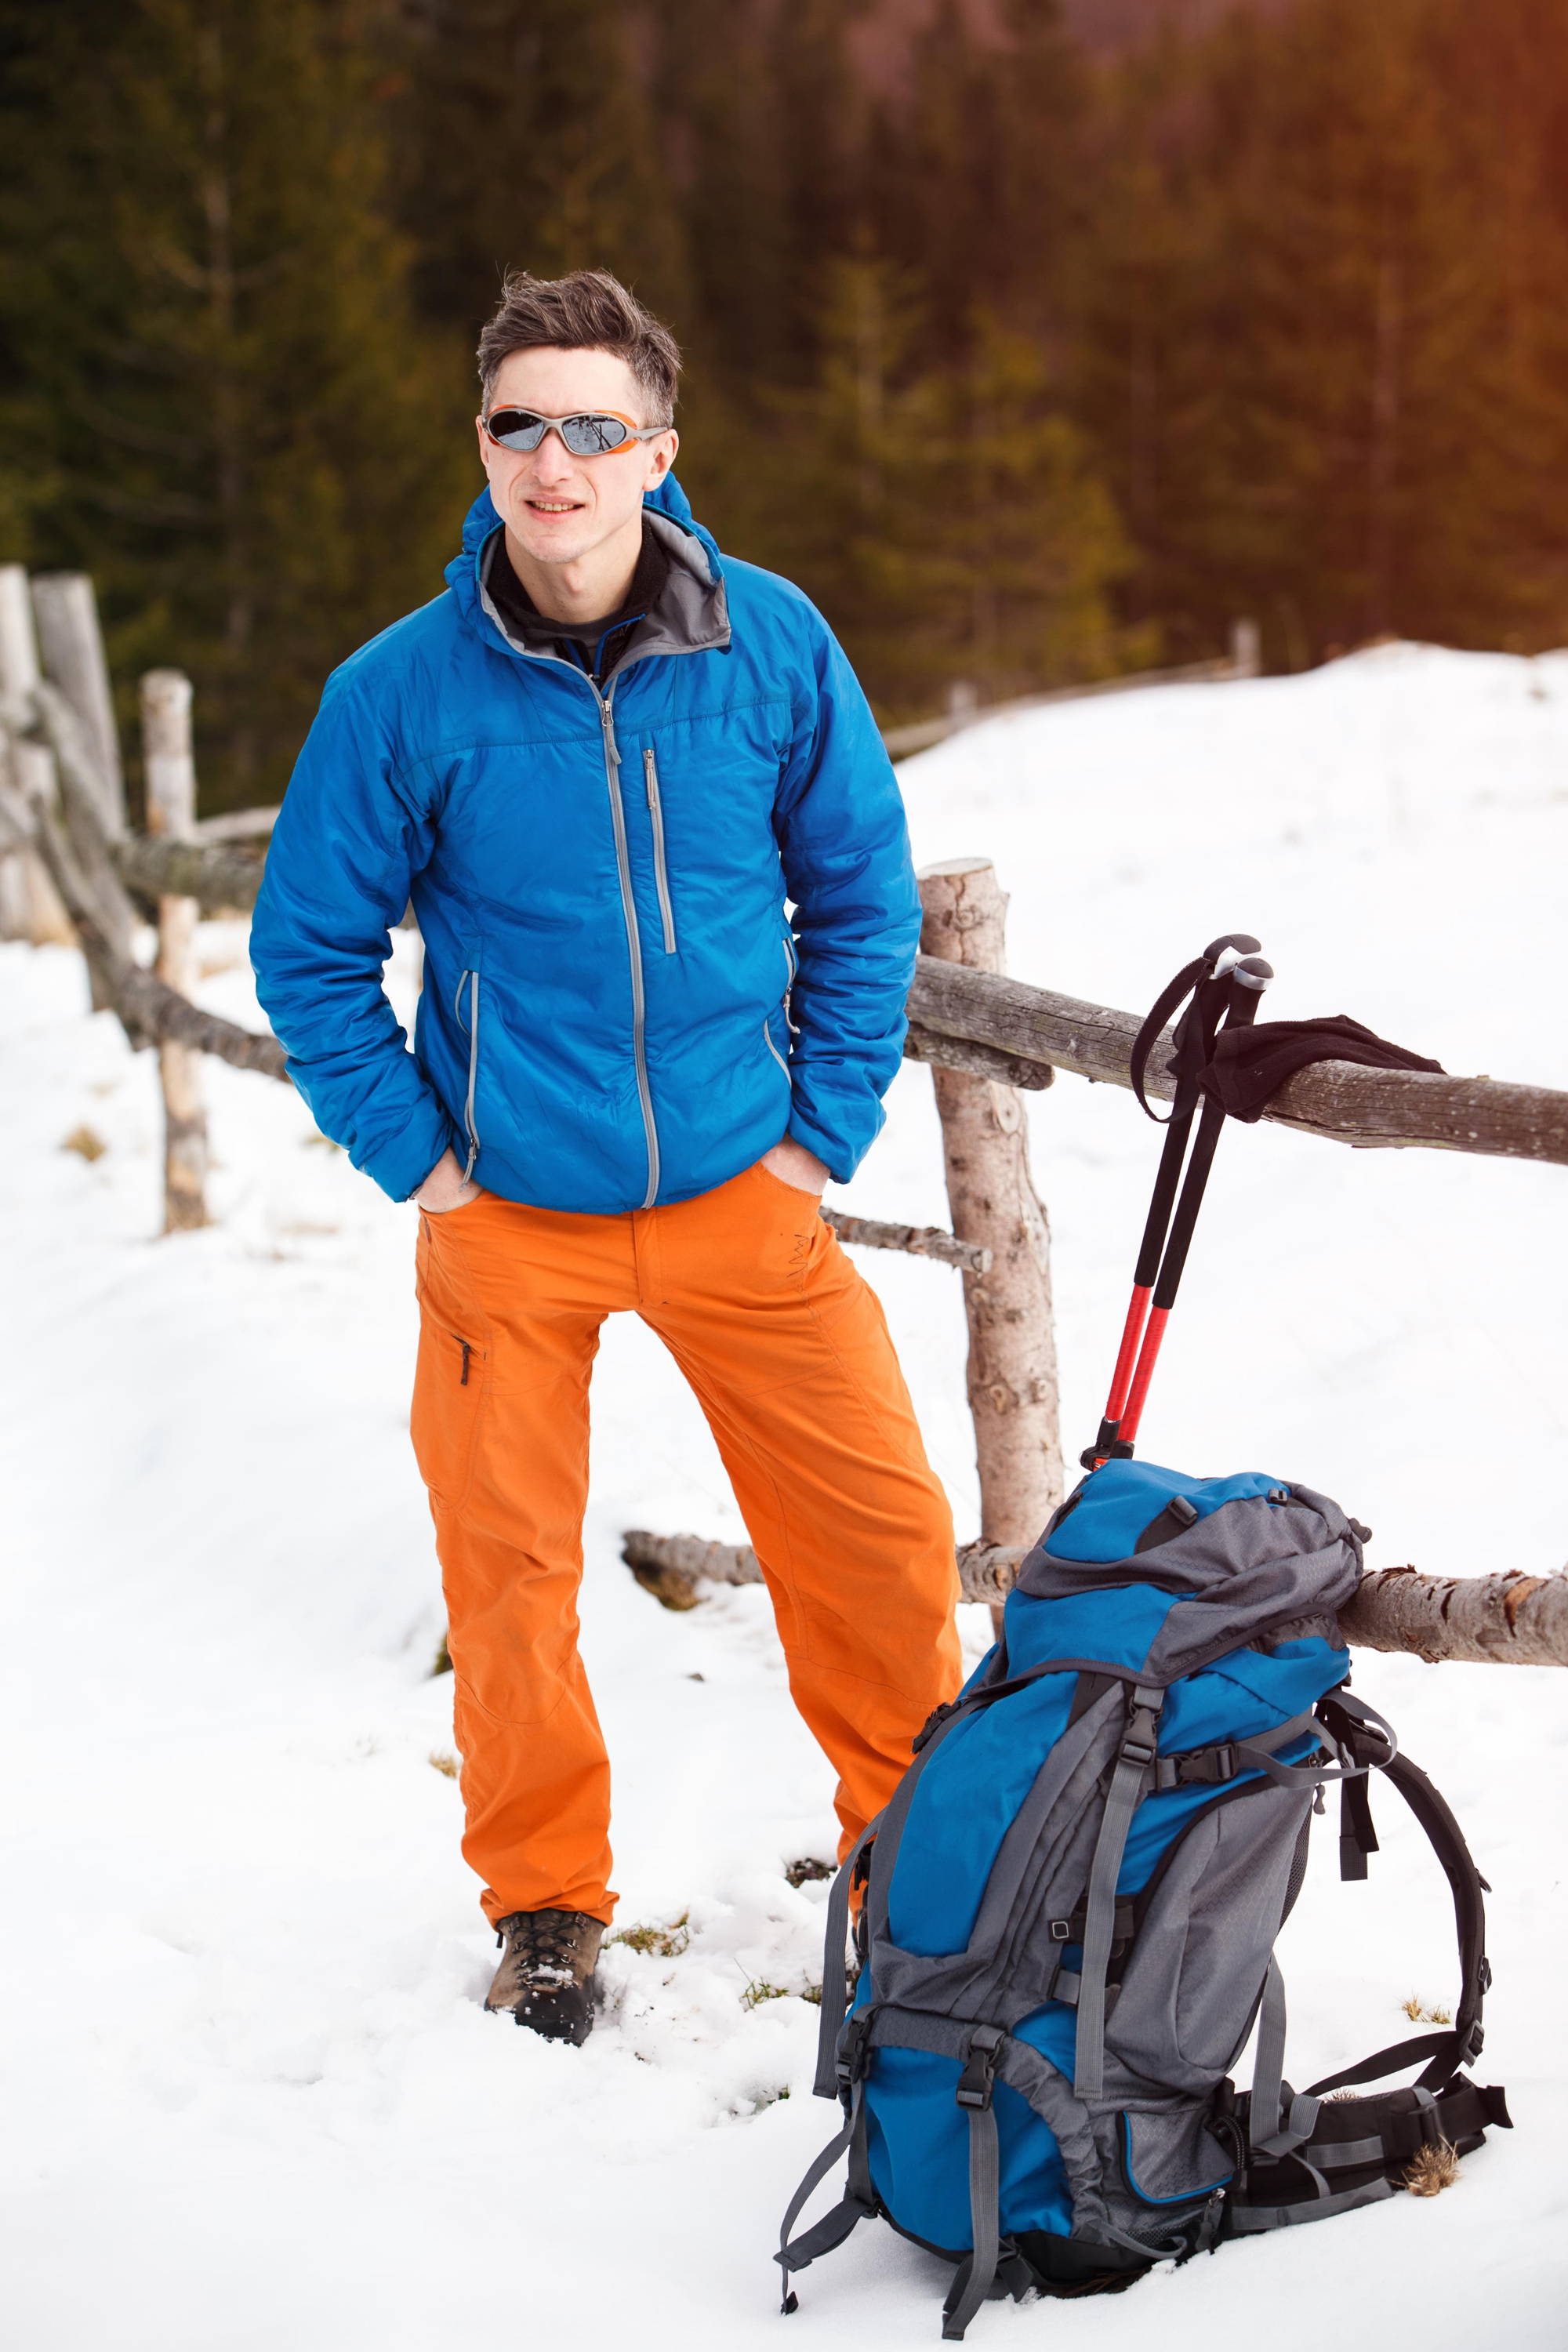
252, 2098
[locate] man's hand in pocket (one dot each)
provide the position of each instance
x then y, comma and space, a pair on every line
445, 1189
792, 1163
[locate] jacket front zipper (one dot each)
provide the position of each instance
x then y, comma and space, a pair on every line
472, 978
634, 945
623, 862
660, 873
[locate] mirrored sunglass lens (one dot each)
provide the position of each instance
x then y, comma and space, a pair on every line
517, 428
590, 436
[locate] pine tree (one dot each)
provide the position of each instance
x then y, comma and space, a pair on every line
838, 504
1029, 526
946, 520
242, 434
1322, 348
526, 137
977, 182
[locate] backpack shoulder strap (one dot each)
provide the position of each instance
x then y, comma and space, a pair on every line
1459, 2044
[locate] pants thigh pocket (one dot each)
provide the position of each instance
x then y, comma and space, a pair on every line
451, 1387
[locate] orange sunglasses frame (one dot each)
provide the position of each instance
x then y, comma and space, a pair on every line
634, 432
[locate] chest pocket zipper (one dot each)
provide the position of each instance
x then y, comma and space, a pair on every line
791, 1024
660, 870
471, 1024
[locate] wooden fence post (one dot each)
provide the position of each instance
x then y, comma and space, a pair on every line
1012, 1374
172, 813
30, 906
70, 648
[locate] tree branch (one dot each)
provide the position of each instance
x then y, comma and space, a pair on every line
917, 1241
1509, 1620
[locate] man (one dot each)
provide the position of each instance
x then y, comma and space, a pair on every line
600, 764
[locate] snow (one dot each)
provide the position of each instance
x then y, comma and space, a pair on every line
253, 2099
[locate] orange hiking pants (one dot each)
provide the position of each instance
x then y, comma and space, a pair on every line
789, 1355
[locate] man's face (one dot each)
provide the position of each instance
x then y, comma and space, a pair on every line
557, 507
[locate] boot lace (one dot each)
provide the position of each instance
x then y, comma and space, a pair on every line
545, 1946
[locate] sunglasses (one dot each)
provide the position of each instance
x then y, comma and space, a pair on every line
592, 434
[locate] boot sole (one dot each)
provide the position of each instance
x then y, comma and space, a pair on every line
577, 2035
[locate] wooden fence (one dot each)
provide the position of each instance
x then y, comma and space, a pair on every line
988, 1039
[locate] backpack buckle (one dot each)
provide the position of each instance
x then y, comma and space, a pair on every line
1202, 1765
854, 2052
1140, 1742
978, 2079
932, 1724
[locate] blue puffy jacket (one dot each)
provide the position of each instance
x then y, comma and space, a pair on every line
615, 1011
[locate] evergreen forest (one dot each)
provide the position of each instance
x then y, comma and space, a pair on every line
1033, 361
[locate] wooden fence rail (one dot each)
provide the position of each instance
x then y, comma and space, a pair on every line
1338, 1100
1511, 1619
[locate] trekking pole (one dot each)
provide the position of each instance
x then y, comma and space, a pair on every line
1207, 981
1246, 981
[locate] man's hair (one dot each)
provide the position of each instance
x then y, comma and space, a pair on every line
586, 310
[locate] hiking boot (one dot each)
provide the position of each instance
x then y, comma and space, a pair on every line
546, 1978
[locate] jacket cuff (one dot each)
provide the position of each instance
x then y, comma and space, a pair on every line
402, 1167
831, 1149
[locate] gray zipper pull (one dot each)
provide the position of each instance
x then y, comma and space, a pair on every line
651, 779
607, 720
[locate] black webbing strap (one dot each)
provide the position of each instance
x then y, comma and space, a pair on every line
1437, 2047
1358, 1839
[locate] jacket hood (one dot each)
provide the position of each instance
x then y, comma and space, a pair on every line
481, 519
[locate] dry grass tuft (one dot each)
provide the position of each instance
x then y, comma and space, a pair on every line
443, 1762
86, 1141
1421, 2013
657, 1943
1431, 2169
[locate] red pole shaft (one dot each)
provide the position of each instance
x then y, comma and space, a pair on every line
1158, 1320
1132, 1332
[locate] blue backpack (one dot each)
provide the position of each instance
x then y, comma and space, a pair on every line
1067, 1911
1070, 1910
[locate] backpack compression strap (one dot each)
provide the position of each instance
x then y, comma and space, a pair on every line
974, 2278
859, 2201
1133, 1775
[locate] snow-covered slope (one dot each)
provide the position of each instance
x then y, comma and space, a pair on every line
251, 2099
